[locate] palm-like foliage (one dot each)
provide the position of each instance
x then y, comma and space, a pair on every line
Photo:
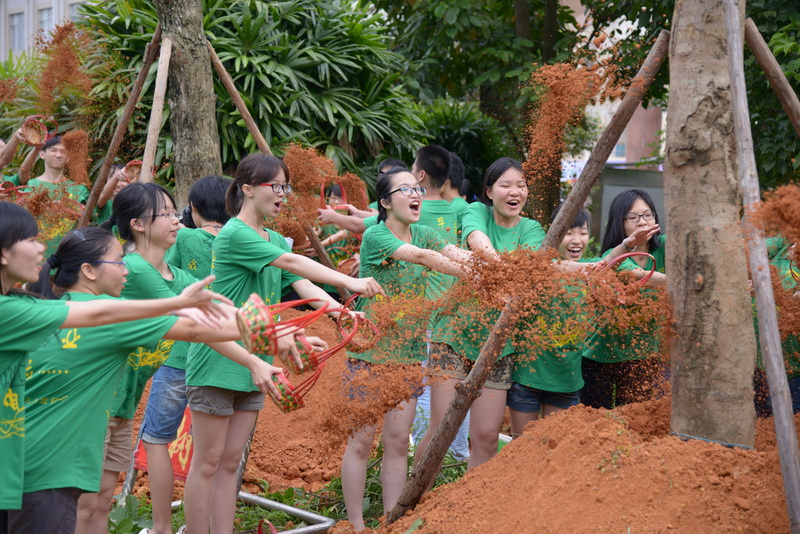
319, 73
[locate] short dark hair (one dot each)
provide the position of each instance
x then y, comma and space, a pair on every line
16, 224
390, 163
494, 172
615, 226
456, 171
207, 196
583, 217
435, 161
50, 143
254, 169
384, 186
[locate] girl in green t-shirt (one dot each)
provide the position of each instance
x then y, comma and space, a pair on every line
612, 374
247, 258
400, 255
26, 322
73, 376
494, 225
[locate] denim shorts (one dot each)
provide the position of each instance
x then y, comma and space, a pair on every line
223, 402
355, 367
530, 400
444, 361
165, 406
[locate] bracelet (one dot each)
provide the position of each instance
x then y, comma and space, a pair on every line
626, 246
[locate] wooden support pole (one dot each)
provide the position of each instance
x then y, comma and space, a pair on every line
150, 52
323, 256
156, 112
774, 73
468, 389
608, 140
768, 332
227, 81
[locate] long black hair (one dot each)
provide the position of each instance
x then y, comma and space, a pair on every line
252, 170
494, 172
139, 200
86, 245
16, 224
615, 226
384, 186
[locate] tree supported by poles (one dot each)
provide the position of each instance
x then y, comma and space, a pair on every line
468, 389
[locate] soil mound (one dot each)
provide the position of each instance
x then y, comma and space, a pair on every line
587, 470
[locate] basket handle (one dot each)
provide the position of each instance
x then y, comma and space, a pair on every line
622, 257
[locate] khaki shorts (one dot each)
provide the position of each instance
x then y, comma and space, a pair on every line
118, 451
444, 361
223, 402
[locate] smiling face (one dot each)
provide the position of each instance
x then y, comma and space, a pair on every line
109, 278
161, 231
508, 195
268, 203
574, 243
21, 262
399, 207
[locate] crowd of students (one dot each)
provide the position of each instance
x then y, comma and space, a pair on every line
114, 305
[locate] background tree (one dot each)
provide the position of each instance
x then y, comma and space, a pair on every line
191, 95
777, 146
713, 355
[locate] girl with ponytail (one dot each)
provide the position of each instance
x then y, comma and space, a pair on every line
25, 323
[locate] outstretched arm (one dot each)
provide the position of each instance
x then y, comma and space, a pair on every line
308, 268
431, 259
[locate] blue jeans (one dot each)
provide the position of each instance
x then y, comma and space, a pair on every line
165, 406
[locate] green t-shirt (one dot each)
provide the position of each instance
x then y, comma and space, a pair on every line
192, 252
400, 343
609, 344
25, 323
241, 261
460, 206
13, 178
373, 205
145, 282
554, 365
467, 336
71, 382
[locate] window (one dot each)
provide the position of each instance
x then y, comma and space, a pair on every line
16, 32
619, 150
73, 12
46, 19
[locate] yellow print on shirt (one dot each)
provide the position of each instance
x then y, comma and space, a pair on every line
15, 424
192, 265
559, 334
145, 358
70, 341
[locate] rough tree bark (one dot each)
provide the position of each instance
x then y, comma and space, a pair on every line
713, 356
192, 119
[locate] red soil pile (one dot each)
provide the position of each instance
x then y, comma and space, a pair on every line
586, 470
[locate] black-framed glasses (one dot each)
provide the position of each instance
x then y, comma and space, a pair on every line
122, 263
407, 191
634, 218
168, 215
277, 188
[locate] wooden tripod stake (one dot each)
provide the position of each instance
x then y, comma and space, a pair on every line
468, 389
156, 112
768, 332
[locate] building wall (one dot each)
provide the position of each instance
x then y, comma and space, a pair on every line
21, 19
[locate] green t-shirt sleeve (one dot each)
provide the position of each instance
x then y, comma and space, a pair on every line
26, 321
373, 205
378, 245
532, 234
287, 278
428, 238
371, 221
253, 252
476, 218
14, 179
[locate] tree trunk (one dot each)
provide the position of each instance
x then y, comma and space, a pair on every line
713, 356
192, 99
522, 19
550, 29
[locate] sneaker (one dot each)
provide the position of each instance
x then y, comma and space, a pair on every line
144, 531
182, 530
